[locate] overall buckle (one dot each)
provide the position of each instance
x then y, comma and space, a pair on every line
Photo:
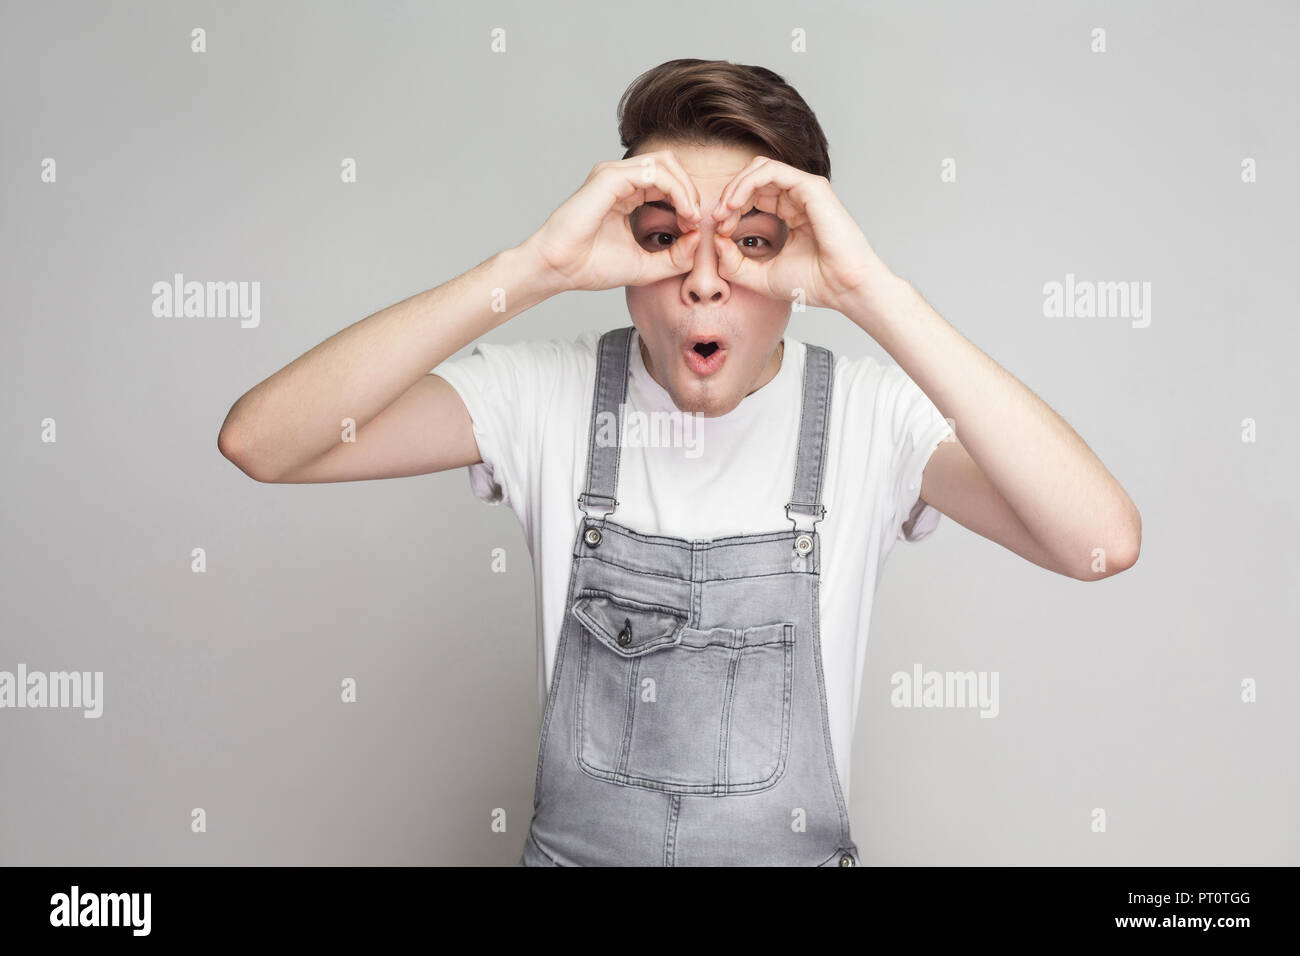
820, 512
610, 498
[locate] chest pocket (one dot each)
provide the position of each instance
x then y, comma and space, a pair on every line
667, 707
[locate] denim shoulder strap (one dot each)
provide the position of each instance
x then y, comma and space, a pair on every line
613, 353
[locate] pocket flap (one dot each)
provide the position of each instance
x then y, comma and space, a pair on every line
628, 627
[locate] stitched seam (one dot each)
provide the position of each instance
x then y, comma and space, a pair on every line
693, 544
629, 717
598, 631
591, 429
823, 419
838, 853
787, 703
552, 695
670, 831
646, 783
625, 367
631, 603
534, 842
722, 774
824, 715
801, 463
580, 696
823, 422
672, 577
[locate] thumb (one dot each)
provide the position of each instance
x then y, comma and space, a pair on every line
676, 259
733, 265
683, 251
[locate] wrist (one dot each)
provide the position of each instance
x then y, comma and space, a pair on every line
875, 300
530, 274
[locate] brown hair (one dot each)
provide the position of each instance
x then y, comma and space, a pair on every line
714, 101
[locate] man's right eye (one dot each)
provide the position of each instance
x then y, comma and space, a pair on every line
653, 238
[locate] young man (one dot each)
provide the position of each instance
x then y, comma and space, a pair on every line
703, 605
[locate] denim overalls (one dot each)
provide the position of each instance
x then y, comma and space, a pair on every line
686, 723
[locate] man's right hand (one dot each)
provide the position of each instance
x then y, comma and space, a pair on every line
588, 243
375, 373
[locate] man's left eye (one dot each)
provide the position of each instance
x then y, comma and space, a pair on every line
745, 239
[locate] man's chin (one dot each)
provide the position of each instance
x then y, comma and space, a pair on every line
692, 402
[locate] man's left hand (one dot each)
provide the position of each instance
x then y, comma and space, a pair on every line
825, 254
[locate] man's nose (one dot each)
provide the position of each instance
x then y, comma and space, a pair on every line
703, 284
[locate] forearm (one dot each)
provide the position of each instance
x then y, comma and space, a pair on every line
1047, 474
296, 415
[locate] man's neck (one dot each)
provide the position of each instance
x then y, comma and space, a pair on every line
772, 368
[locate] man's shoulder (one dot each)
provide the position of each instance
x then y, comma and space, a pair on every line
548, 352
868, 389
857, 372
869, 371
586, 341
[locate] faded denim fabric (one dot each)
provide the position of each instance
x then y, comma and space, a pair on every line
686, 723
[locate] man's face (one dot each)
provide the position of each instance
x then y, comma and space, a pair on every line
673, 316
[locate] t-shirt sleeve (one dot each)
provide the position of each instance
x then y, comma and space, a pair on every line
506, 389
917, 429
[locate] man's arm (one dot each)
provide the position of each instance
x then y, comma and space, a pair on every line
374, 373
1019, 474
427, 429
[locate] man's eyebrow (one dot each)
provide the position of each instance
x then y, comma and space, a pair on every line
666, 206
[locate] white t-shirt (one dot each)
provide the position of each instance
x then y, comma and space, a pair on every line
530, 402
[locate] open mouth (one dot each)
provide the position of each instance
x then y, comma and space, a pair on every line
704, 356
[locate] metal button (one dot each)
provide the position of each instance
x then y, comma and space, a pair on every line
804, 543
847, 860
592, 537
625, 635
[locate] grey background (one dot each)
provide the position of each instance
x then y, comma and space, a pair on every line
222, 689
